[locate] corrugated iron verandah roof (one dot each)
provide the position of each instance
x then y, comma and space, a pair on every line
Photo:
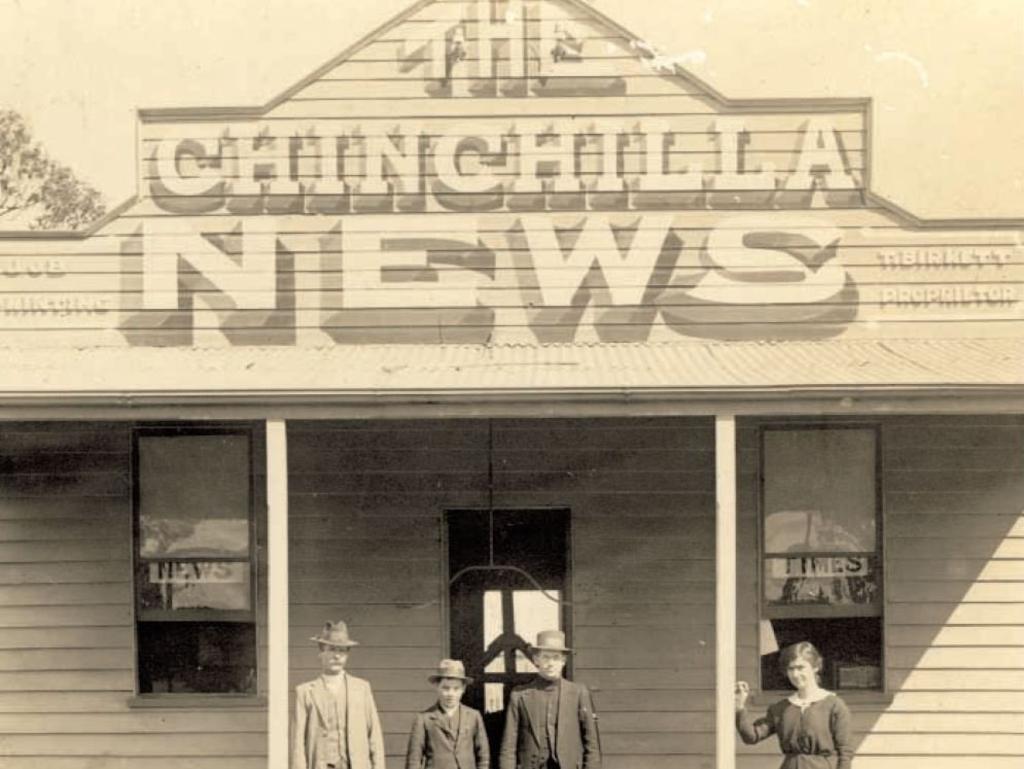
734, 369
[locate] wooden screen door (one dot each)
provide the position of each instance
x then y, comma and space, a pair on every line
508, 572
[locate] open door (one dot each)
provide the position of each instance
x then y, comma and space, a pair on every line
508, 572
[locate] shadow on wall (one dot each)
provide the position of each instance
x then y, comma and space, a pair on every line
954, 623
367, 500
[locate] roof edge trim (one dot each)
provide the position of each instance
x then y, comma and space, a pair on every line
852, 393
80, 234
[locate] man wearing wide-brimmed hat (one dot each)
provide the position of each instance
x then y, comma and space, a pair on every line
448, 735
336, 725
550, 722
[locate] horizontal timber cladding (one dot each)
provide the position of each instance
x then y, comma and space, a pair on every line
366, 506
649, 276
953, 507
635, 272
505, 172
67, 667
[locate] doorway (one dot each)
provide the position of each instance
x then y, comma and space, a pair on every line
509, 577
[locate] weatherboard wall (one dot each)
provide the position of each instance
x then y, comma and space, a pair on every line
503, 172
367, 500
67, 661
268, 227
953, 507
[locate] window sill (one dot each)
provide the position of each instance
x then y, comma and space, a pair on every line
197, 701
850, 697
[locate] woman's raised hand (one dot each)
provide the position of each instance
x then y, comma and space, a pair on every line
741, 694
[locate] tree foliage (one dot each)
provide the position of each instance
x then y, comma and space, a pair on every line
35, 190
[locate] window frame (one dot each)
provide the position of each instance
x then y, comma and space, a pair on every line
234, 616
766, 611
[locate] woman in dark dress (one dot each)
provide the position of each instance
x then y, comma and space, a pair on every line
812, 725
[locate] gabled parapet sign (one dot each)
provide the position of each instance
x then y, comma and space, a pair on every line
507, 171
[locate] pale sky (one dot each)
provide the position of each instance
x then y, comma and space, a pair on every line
947, 76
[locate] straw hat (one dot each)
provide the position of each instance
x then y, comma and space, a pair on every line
450, 669
335, 634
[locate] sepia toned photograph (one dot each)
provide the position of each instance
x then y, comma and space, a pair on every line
511, 384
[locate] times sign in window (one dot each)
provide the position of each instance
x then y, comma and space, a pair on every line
821, 559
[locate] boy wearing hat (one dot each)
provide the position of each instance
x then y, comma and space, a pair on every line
336, 724
448, 735
550, 722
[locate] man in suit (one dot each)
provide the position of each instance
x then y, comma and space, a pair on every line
550, 722
336, 724
448, 735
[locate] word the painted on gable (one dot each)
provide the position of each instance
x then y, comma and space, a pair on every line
531, 165
511, 48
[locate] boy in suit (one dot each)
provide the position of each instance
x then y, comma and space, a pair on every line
550, 722
336, 724
448, 734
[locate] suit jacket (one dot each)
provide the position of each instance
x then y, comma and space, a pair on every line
523, 745
362, 728
433, 746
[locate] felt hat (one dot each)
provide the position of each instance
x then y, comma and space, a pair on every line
335, 634
450, 669
550, 641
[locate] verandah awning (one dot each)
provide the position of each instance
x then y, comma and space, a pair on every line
720, 369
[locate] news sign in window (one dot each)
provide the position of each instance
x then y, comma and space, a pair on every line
195, 624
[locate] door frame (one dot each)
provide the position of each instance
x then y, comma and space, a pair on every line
568, 615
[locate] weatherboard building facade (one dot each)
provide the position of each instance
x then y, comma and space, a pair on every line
502, 321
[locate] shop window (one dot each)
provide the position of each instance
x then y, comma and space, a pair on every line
195, 623
821, 551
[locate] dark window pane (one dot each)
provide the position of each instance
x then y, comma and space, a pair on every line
819, 491
193, 495
170, 585
534, 540
851, 648
209, 657
468, 539
822, 580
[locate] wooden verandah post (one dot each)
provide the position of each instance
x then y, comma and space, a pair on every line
277, 595
725, 589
